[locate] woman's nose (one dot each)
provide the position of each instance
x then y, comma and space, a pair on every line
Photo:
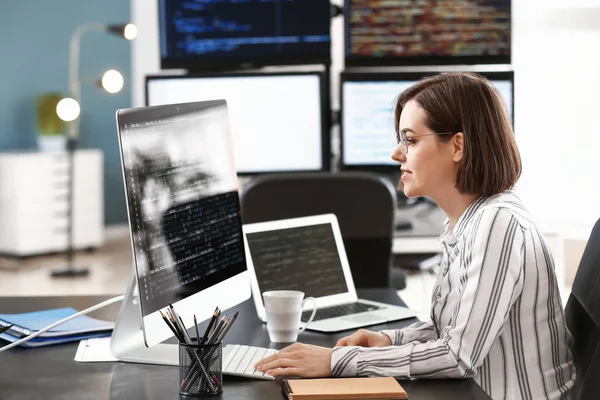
399, 154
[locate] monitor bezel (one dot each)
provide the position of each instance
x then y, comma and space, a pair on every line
372, 61
325, 108
329, 219
348, 76
229, 288
199, 64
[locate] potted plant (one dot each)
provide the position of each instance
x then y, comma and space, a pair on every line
50, 128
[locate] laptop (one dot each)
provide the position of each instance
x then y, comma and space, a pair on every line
308, 254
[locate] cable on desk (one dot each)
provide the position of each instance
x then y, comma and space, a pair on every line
62, 321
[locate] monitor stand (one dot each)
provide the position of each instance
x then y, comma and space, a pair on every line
127, 341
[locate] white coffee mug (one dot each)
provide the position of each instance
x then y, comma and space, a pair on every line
284, 314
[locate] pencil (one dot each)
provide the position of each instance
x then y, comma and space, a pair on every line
192, 374
228, 326
225, 330
197, 332
210, 324
176, 326
222, 336
217, 330
219, 312
183, 328
194, 356
164, 317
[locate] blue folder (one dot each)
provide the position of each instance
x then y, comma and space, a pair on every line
79, 328
40, 342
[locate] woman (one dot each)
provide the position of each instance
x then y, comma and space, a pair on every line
496, 313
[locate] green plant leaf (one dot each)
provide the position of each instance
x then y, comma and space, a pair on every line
5, 328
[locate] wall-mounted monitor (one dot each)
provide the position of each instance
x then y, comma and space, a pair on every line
427, 32
280, 122
367, 114
216, 34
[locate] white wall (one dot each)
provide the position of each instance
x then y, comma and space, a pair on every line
145, 57
557, 123
557, 102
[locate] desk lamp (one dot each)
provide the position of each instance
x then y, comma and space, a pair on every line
68, 109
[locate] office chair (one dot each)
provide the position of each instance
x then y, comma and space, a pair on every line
583, 320
364, 205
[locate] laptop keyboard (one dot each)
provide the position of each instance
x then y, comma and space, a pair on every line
339, 311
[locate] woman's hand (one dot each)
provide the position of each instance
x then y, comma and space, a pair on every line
303, 360
365, 338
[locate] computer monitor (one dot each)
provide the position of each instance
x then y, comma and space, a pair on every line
367, 115
279, 121
201, 35
426, 32
184, 215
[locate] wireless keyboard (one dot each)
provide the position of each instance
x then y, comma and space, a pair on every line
239, 360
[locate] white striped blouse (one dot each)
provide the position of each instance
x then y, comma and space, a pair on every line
496, 313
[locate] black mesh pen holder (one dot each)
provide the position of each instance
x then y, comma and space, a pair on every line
200, 369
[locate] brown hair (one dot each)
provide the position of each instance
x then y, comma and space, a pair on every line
466, 102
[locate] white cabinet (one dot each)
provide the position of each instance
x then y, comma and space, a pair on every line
34, 200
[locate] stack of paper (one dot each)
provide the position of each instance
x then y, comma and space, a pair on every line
79, 328
94, 350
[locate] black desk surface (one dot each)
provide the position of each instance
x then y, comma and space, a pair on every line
51, 372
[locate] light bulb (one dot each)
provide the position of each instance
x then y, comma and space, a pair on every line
112, 81
130, 32
68, 109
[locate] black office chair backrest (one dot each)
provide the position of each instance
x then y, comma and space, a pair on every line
364, 205
583, 320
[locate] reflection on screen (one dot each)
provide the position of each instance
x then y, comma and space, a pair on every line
302, 258
368, 119
275, 119
183, 203
407, 28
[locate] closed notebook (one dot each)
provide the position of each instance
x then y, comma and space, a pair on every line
343, 388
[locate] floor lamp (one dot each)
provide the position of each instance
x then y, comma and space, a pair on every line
68, 109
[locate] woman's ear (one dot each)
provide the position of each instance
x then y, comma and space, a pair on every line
458, 146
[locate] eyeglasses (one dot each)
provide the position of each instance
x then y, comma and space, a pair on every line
403, 140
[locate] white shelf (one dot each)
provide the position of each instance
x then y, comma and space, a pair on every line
34, 201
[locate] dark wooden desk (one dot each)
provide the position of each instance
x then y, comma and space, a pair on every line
51, 373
